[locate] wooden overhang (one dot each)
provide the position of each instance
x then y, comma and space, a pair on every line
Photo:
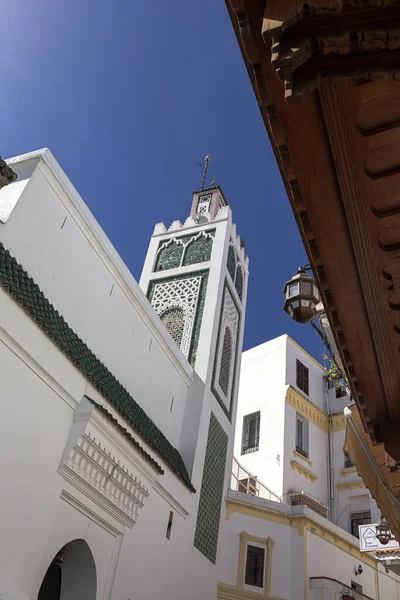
325, 74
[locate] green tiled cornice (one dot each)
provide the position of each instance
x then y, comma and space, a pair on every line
27, 293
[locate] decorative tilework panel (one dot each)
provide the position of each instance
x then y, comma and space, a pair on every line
184, 250
169, 256
174, 321
178, 292
225, 362
225, 357
198, 250
231, 265
239, 281
212, 486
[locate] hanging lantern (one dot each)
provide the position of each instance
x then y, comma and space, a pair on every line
383, 533
301, 296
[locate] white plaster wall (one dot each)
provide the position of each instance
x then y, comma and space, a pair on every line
287, 557
325, 559
295, 481
316, 373
262, 388
82, 275
389, 585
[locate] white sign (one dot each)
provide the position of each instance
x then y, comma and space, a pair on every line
369, 541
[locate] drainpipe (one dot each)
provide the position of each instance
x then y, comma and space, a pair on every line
329, 453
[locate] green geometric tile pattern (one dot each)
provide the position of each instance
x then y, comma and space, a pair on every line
212, 485
198, 251
169, 257
231, 264
169, 254
27, 293
200, 306
239, 281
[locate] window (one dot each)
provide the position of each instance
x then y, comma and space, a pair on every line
301, 435
359, 518
169, 526
341, 392
302, 377
204, 204
356, 587
255, 566
251, 433
174, 320
347, 460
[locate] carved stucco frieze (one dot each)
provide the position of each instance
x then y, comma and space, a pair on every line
102, 467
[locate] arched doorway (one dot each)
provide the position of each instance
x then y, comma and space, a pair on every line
71, 574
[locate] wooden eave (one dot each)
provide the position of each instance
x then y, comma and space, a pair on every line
336, 139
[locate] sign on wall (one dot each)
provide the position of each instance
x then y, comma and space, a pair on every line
369, 541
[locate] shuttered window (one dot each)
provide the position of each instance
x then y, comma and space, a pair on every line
302, 377
251, 433
255, 566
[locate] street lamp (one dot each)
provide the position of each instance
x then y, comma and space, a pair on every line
383, 533
301, 296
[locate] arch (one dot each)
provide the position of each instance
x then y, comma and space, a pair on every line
225, 367
174, 320
239, 281
169, 256
231, 264
71, 574
198, 250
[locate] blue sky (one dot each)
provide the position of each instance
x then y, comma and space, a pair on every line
130, 96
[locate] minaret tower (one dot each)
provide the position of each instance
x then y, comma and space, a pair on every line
195, 277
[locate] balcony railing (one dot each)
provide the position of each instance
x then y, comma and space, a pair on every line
326, 588
246, 482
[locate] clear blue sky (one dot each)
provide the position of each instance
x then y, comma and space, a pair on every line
130, 96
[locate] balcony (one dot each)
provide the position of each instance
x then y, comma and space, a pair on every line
247, 483
325, 588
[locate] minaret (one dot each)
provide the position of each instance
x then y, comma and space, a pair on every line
195, 277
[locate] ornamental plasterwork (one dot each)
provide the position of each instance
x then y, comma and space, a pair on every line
350, 485
183, 294
229, 320
306, 408
235, 270
92, 464
296, 466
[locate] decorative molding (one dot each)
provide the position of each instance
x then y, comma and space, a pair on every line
225, 591
91, 466
306, 408
296, 466
337, 422
305, 44
343, 154
350, 485
269, 544
303, 523
348, 471
298, 455
97, 474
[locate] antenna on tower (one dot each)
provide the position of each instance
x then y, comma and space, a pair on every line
204, 165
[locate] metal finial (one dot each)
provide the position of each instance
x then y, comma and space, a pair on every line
214, 182
205, 167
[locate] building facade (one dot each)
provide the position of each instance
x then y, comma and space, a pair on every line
119, 409
296, 500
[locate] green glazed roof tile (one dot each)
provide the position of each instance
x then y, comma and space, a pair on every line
27, 293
